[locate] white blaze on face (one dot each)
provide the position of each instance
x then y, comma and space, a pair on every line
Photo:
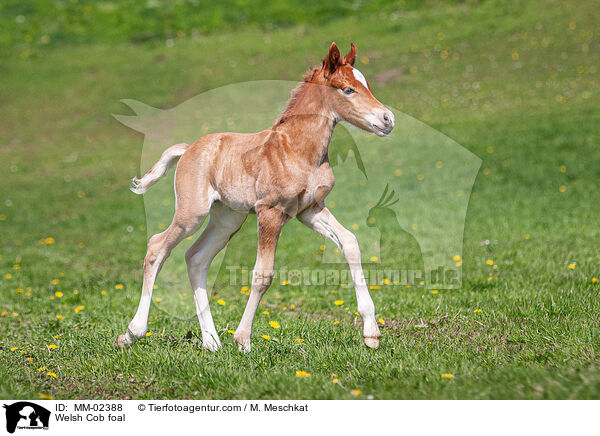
359, 76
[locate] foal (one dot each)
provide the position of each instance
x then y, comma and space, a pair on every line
280, 173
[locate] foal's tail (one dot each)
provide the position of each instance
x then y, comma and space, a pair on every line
160, 168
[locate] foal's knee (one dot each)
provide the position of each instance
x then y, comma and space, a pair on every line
262, 279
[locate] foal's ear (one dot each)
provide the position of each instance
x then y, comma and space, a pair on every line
332, 61
350, 57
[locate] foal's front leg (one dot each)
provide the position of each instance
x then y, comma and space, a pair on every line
322, 221
270, 222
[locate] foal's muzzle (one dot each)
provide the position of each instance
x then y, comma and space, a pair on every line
383, 122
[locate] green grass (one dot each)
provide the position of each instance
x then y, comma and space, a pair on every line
66, 163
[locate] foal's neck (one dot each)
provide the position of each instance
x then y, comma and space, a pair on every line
309, 123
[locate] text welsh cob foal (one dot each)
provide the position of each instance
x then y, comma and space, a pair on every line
280, 173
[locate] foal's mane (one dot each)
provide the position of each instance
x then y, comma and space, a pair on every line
306, 78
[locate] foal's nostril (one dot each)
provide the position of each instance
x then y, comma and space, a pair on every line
386, 118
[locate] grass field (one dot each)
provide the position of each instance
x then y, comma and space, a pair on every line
516, 83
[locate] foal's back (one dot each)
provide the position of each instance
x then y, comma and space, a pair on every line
216, 167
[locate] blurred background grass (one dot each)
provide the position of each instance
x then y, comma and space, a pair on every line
39, 22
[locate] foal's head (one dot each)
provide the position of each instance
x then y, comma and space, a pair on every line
349, 94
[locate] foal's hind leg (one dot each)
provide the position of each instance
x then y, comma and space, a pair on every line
159, 248
224, 222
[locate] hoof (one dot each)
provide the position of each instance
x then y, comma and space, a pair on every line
244, 348
243, 342
211, 346
372, 342
121, 343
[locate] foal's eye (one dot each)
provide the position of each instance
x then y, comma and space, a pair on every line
347, 90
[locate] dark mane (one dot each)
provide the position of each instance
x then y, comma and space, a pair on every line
306, 78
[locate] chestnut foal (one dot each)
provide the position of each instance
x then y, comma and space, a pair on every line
280, 173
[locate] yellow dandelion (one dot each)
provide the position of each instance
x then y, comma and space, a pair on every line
385, 282
158, 300
52, 347
447, 376
594, 280
14, 348
335, 380
374, 259
75, 292
20, 291
490, 262
8, 276
338, 302
148, 334
51, 374
563, 188
456, 258
42, 368
267, 337
374, 287
46, 397
14, 314
435, 291
58, 294
230, 331
322, 248
298, 340
285, 282
49, 240
102, 292
244, 289
381, 321
356, 392
265, 312
119, 286
336, 322
4, 313
221, 302
79, 308
274, 324
16, 267
477, 310
571, 266
302, 374
55, 281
